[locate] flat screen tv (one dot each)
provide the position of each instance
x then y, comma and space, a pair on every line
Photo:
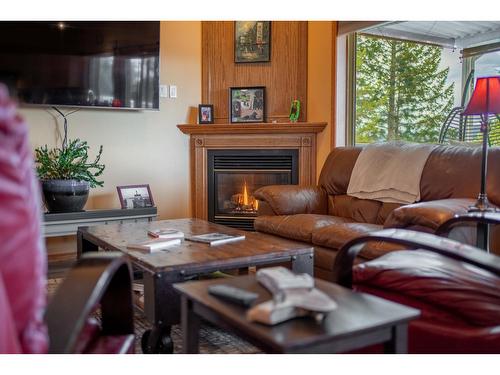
101, 64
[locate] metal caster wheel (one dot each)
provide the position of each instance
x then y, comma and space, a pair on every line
161, 344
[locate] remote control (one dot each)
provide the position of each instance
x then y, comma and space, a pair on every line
232, 294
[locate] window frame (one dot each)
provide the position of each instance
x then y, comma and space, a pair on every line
350, 131
469, 56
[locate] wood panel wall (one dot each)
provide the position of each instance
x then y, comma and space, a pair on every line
285, 76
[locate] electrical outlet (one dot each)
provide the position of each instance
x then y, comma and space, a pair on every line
173, 91
163, 91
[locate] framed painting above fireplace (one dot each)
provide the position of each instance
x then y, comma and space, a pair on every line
252, 41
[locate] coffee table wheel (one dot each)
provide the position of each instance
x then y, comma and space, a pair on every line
161, 345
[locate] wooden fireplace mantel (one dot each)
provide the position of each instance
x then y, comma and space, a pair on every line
259, 128
300, 136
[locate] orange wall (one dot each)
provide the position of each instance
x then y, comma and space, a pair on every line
320, 102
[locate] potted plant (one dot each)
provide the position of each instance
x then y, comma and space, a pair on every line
66, 175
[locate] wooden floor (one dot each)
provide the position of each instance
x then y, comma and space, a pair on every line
57, 269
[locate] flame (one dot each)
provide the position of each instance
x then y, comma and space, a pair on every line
245, 195
256, 204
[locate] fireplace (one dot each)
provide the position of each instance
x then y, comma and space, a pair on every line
234, 175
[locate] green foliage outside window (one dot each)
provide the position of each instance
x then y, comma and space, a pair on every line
401, 94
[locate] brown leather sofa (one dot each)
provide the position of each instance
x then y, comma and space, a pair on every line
327, 217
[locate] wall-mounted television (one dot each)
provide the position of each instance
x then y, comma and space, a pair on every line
99, 64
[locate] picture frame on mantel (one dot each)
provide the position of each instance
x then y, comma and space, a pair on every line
252, 41
247, 104
205, 114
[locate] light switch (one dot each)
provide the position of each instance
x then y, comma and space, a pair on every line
163, 91
173, 91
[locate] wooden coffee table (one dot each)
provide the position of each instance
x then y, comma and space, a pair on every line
360, 320
185, 262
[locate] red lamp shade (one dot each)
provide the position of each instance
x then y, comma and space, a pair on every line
485, 98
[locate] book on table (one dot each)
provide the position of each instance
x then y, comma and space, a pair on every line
216, 238
151, 246
167, 233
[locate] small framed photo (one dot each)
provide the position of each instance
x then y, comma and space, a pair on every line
252, 41
205, 114
135, 196
247, 104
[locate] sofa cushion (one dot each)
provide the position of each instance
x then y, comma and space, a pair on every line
458, 288
384, 211
293, 199
360, 210
324, 259
455, 172
298, 227
427, 214
336, 236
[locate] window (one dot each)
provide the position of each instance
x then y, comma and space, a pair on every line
403, 90
485, 65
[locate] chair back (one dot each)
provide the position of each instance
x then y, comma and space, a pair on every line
22, 251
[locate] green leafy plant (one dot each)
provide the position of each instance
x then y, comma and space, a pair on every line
69, 163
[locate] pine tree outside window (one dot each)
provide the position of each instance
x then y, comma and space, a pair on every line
403, 89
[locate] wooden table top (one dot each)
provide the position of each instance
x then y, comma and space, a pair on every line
356, 313
189, 256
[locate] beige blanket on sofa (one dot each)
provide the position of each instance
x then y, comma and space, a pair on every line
389, 172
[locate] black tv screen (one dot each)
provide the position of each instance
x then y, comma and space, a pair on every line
103, 64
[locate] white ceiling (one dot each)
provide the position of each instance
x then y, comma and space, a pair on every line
451, 34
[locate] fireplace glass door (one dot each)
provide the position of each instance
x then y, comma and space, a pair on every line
234, 176
235, 190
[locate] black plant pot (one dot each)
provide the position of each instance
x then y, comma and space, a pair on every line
65, 195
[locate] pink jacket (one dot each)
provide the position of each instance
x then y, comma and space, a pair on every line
22, 250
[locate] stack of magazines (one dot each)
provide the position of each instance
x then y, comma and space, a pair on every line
166, 238
162, 239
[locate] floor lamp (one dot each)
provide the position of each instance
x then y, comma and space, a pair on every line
485, 101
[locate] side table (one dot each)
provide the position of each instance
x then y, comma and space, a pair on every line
360, 320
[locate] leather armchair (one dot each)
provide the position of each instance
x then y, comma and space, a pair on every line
456, 287
97, 282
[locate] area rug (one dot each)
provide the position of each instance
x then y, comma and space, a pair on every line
213, 340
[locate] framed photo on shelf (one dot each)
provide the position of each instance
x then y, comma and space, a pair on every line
205, 114
252, 41
135, 196
247, 104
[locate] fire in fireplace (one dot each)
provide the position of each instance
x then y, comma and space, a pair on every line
234, 176
243, 202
